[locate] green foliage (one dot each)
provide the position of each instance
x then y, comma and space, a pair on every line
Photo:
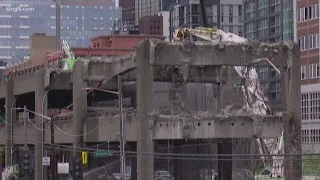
311, 164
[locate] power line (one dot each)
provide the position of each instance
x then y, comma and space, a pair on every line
177, 154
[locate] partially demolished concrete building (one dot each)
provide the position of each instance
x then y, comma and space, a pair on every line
155, 61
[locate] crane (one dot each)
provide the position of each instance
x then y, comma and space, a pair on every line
256, 101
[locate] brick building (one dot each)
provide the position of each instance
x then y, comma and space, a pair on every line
151, 25
113, 45
308, 35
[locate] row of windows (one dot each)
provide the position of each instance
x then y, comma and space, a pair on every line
310, 71
310, 136
309, 42
308, 13
310, 106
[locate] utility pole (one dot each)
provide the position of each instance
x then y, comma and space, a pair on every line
53, 159
26, 143
122, 141
58, 24
25, 127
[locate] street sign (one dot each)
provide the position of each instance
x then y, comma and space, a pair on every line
46, 161
102, 153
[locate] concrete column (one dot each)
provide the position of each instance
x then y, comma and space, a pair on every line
225, 90
225, 98
9, 100
145, 88
292, 119
41, 105
79, 105
224, 164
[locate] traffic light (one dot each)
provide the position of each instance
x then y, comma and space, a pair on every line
26, 163
77, 169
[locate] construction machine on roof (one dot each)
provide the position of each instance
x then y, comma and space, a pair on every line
256, 100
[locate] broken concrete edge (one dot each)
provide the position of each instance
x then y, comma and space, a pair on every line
249, 51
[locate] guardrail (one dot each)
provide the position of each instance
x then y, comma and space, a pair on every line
21, 72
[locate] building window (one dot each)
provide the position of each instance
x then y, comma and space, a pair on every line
313, 70
314, 135
314, 106
231, 28
230, 19
314, 41
305, 136
303, 42
308, 13
222, 13
275, 91
230, 10
304, 72
304, 106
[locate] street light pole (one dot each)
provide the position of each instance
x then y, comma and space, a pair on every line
122, 141
25, 133
58, 24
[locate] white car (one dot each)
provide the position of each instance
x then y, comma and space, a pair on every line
162, 175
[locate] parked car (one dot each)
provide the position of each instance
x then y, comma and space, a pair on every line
117, 176
162, 175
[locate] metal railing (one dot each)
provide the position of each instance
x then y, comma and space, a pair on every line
21, 72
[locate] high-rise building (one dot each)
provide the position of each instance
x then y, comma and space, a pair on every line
151, 7
80, 21
223, 14
128, 14
307, 17
268, 20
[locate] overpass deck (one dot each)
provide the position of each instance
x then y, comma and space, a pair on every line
104, 126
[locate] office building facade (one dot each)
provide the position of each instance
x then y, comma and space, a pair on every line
269, 21
80, 21
307, 16
223, 14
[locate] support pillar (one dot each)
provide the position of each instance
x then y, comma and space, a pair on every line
225, 162
79, 105
41, 105
9, 100
145, 88
292, 119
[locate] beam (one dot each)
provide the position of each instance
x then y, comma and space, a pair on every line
176, 127
198, 54
207, 74
105, 69
215, 54
24, 83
